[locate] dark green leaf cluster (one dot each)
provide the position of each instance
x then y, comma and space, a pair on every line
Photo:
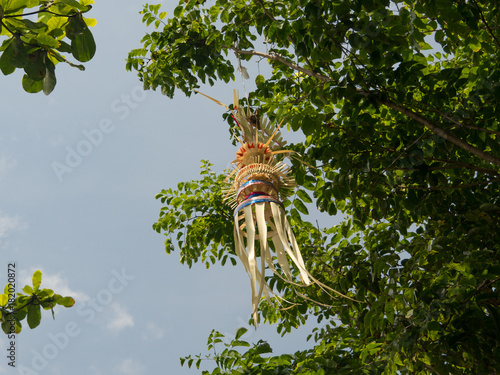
197, 220
231, 361
37, 45
15, 307
185, 52
399, 103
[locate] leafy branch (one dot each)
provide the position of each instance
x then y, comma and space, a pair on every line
486, 23
281, 59
436, 129
28, 306
405, 111
37, 47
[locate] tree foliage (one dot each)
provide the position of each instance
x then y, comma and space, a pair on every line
202, 223
15, 307
399, 103
38, 33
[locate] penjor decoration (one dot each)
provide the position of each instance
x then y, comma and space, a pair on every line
256, 188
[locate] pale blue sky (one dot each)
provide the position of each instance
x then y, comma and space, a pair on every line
87, 226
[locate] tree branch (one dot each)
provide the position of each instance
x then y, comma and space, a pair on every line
436, 129
456, 164
265, 10
485, 23
290, 39
6, 28
281, 59
460, 186
43, 10
447, 117
405, 111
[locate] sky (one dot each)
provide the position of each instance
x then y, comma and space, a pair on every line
79, 170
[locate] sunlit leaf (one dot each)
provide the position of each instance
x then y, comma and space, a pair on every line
37, 280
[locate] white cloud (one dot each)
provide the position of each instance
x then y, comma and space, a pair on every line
6, 165
130, 367
118, 318
8, 224
56, 282
152, 332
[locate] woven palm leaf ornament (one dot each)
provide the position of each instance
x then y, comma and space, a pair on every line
257, 186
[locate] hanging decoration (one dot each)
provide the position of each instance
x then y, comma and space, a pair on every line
257, 186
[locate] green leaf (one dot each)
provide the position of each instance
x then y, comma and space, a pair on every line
14, 56
6, 326
83, 46
304, 196
65, 301
302, 49
424, 357
18, 327
389, 312
262, 347
34, 315
239, 343
178, 11
54, 23
13, 6
4, 299
49, 81
35, 67
31, 86
240, 332
28, 290
76, 26
5, 66
300, 206
22, 300
45, 293
259, 80
47, 40
73, 3
489, 207
37, 280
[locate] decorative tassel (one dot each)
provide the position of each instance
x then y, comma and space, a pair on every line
256, 187
259, 182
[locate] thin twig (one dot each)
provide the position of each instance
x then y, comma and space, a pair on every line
460, 186
437, 130
4, 25
485, 23
279, 58
470, 126
404, 151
